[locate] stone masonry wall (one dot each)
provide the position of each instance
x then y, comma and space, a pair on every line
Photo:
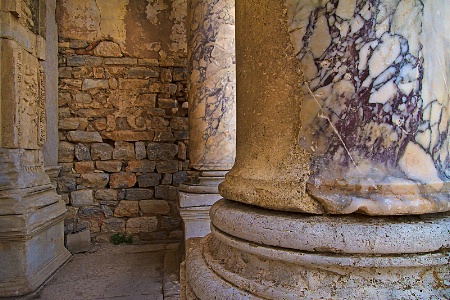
123, 126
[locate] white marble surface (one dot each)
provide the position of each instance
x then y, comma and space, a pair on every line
377, 107
212, 85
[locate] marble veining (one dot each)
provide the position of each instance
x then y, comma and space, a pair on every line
377, 102
212, 85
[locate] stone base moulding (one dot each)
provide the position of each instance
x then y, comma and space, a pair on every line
195, 200
32, 238
196, 221
27, 261
349, 258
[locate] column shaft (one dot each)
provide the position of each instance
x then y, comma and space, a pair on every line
212, 109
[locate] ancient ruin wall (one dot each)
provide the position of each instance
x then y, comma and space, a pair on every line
122, 115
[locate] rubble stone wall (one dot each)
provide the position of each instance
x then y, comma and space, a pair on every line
123, 126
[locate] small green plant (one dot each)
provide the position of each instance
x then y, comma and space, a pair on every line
120, 238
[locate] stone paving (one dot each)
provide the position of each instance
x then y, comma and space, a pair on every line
117, 272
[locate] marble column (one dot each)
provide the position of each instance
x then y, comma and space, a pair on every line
340, 188
212, 111
31, 212
50, 149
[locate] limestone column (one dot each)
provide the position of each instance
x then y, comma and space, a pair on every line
31, 213
212, 125
341, 186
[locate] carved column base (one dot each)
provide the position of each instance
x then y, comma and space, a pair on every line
31, 238
196, 198
254, 253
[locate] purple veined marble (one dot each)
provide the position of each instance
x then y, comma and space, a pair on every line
377, 103
212, 84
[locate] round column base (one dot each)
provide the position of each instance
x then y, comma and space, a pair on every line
223, 266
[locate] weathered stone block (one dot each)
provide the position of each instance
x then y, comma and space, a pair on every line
129, 135
74, 61
79, 242
106, 194
166, 75
121, 61
170, 222
65, 72
72, 124
142, 72
141, 224
93, 61
182, 150
69, 84
140, 149
99, 124
179, 74
81, 198
142, 166
127, 209
123, 150
179, 123
79, 136
66, 152
181, 135
101, 151
176, 235
94, 83
164, 136
168, 166
107, 211
66, 184
107, 49
131, 84
146, 100
113, 225
148, 180
138, 194
161, 151
82, 152
179, 177
166, 192
166, 179
169, 88
148, 62
159, 207
78, 44
111, 166
122, 180
83, 98
84, 167
167, 103
94, 180
99, 73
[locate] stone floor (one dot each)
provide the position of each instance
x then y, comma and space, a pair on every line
131, 272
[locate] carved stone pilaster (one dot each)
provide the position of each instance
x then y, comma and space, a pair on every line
31, 212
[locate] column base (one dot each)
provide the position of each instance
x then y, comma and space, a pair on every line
31, 239
195, 200
342, 257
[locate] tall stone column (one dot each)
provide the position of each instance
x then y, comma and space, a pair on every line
212, 109
31, 213
50, 149
341, 187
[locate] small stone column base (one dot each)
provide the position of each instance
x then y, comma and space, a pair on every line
254, 253
31, 238
196, 198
